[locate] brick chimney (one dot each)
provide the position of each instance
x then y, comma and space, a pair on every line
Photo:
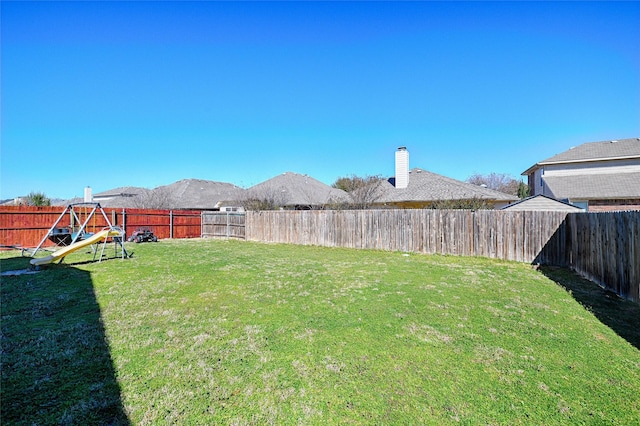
402, 167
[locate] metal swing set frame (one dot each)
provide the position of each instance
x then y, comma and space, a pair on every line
68, 236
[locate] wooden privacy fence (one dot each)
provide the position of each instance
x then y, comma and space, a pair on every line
604, 247
163, 223
223, 224
520, 236
25, 226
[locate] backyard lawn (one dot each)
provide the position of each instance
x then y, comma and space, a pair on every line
233, 332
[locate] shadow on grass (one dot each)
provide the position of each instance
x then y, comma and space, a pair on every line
622, 316
56, 364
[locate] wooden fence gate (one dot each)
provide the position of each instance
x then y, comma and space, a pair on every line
223, 225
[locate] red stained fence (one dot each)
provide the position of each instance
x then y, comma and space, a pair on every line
25, 226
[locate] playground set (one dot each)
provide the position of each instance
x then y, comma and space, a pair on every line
76, 236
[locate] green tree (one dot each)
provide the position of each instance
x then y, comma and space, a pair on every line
38, 199
468, 204
523, 190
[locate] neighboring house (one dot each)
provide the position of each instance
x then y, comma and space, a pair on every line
419, 188
198, 194
18, 201
596, 176
542, 203
118, 197
295, 191
186, 194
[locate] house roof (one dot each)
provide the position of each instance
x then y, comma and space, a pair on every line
200, 194
184, 194
594, 186
116, 197
541, 202
594, 151
428, 186
291, 189
123, 191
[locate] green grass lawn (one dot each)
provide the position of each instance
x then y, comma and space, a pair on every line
233, 332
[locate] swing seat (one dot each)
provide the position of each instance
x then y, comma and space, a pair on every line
61, 236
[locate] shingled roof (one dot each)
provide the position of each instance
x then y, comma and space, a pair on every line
425, 186
123, 191
593, 186
541, 203
594, 151
184, 194
293, 189
122, 196
201, 194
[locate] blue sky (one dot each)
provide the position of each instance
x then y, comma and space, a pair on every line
109, 94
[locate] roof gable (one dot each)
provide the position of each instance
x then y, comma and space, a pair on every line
542, 202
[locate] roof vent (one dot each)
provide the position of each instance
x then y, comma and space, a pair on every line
613, 141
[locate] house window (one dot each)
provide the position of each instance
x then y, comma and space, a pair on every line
582, 204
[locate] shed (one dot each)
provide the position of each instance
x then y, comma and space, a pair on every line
542, 203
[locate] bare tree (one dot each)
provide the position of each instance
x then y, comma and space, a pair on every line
158, 198
264, 198
498, 181
314, 201
363, 191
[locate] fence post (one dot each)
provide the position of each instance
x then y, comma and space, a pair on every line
171, 224
124, 221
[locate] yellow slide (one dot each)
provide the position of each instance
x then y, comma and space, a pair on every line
59, 254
